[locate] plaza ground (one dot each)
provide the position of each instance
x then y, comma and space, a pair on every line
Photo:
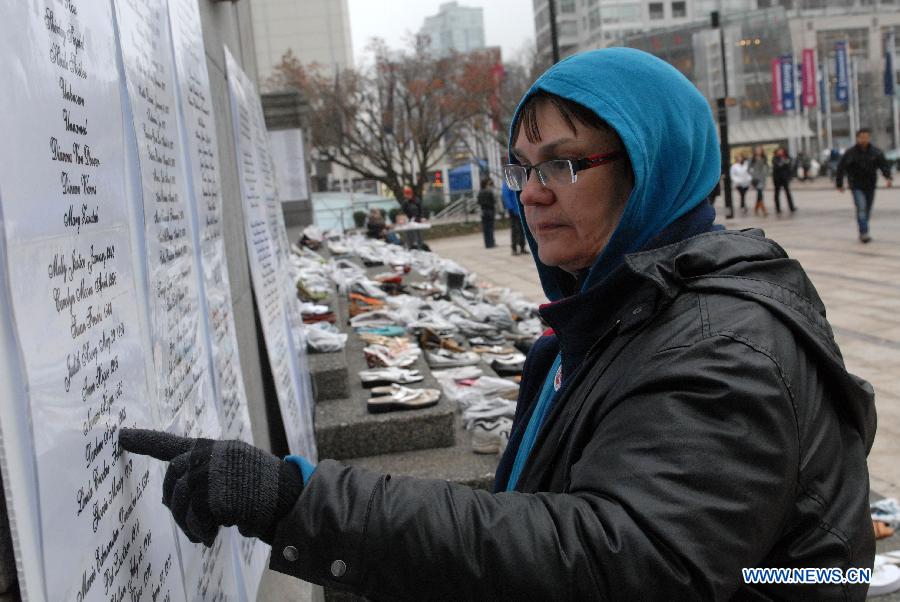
860, 285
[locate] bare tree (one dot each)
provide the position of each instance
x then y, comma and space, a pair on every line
397, 119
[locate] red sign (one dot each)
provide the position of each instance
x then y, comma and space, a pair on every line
809, 77
777, 107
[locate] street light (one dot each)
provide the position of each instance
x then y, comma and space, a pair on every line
722, 106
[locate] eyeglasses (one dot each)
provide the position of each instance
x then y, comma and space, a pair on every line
556, 171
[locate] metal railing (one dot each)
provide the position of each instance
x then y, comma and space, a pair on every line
462, 209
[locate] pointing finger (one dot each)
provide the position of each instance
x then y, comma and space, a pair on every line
156, 444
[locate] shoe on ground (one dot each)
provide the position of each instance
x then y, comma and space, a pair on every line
865, 238
885, 577
489, 435
380, 377
429, 339
508, 368
444, 358
403, 398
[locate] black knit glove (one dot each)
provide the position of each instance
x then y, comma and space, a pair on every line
211, 483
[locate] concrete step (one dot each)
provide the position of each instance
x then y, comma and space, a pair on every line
330, 378
345, 429
457, 464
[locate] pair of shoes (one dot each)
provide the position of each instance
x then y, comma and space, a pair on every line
382, 356
381, 331
324, 338
360, 304
396, 397
865, 238
380, 377
429, 339
444, 358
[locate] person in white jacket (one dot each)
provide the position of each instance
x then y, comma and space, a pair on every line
740, 177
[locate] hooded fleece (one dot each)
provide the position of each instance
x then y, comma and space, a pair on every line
669, 134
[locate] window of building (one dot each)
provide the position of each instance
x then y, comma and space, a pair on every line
593, 18
621, 13
656, 11
679, 10
566, 6
541, 18
568, 28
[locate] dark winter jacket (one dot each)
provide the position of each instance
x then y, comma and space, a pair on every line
705, 422
861, 167
711, 427
413, 210
781, 170
487, 201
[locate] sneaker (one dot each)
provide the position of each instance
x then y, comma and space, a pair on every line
488, 409
488, 435
865, 238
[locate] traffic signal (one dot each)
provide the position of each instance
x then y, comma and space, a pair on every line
438, 179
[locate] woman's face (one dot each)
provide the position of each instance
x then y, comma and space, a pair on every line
572, 222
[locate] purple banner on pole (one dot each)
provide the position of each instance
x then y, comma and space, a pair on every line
842, 73
788, 93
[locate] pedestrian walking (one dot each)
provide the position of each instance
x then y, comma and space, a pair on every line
517, 235
759, 173
488, 203
782, 172
740, 177
861, 163
686, 416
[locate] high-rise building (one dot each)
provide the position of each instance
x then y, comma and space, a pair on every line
316, 31
454, 29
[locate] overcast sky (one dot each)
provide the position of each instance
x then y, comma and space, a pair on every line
507, 23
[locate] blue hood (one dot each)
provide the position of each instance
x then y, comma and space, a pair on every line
668, 131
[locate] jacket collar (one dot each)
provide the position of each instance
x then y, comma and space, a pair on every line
621, 300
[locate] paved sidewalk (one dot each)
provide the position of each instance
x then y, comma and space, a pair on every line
860, 285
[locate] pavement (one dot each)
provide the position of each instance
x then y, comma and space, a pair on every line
860, 285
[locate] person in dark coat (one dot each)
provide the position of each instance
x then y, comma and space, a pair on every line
488, 204
782, 168
861, 164
688, 416
412, 208
759, 173
517, 234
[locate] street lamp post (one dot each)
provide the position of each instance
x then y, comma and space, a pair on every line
554, 40
722, 110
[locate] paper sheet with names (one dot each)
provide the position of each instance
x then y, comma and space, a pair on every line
181, 357
263, 251
74, 304
203, 164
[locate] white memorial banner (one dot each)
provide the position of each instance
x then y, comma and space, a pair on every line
72, 287
289, 158
177, 329
203, 172
266, 256
278, 233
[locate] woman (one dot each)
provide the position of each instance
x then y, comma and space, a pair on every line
740, 177
781, 178
759, 172
688, 414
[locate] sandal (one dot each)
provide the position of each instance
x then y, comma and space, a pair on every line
403, 398
380, 377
